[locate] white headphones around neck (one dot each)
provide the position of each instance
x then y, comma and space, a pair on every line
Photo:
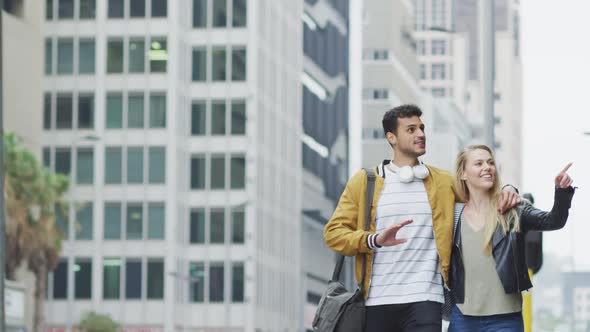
407, 174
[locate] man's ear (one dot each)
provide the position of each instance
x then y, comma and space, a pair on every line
391, 138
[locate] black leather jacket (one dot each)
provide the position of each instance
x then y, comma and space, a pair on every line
508, 249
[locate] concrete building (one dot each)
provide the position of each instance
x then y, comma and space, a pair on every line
576, 300
179, 123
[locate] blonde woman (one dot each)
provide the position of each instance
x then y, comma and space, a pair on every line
488, 269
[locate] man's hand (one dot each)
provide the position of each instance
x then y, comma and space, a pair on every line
509, 198
388, 236
563, 180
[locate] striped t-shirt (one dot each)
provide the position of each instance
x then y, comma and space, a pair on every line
408, 272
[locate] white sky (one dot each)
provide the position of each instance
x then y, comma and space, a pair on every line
556, 68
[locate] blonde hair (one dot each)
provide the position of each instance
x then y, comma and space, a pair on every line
508, 221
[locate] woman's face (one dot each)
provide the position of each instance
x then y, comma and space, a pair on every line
480, 170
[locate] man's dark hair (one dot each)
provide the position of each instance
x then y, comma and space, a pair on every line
390, 119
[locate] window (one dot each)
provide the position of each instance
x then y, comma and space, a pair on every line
159, 8
199, 72
136, 56
239, 13
238, 172
65, 9
84, 222
238, 117
158, 55
237, 282
217, 226
238, 64
219, 13
155, 279
48, 56
421, 47
133, 272
115, 56
439, 47
135, 165
216, 282
157, 165
438, 92
112, 221
47, 157
218, 117
65, 55
85, 166
116, 8
62, 220
197, 226
438, 71
63, 161
218, 72
47, 111
199, 13
85, 111
114, 113
199, 118
87, 9
376, 94
64, 111
237, 226
135, 111
198, 172
113, 165
420, 14
218, 172
156, 221
49, 10
134, 222
137, 8
157, 111
423, 74
111, 278
197, 273
438, 13
86, 58
82, 278
60, 281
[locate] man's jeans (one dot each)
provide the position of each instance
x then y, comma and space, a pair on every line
496, 323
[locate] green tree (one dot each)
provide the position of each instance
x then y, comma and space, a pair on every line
33, 197
93, 322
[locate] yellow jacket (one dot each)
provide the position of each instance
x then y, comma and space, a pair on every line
345, 232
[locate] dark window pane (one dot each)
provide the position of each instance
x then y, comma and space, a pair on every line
218, 118
62, 220
218, 172
158, 55
112, 221
49, 10
238, 226
133, 279
237, 282
135, 165
48, 56
113, 165
134, 222
155, 280
157, 111
60, 280
238, 64
198, 118
82, 279
137, 56
63, 161
137, 8
116, 8
157, 165
135, 112
197, 273
64, 111
85, 166
87, 9
114, 111
159, 8
65, 9
199, 65
46, 157
198, 173
219, 13
86, 58
238, 118
217, 225
238, 173
85, 111
65, 55
84, 222
156, 221
216, 282
218, 72
111, 278
239, 13
115, 56
197, 226
47, 111
199, 13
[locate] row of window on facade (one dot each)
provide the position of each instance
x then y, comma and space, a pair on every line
438, 71
438, 14
134, 278
437, 47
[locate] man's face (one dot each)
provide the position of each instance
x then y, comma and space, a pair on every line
410, 139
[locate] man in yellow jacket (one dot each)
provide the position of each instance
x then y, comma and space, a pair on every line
408, 245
